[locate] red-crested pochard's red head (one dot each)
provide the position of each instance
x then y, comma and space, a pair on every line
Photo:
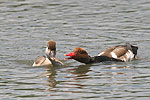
79, 54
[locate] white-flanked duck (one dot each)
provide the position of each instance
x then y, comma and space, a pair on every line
122, 53
49, 59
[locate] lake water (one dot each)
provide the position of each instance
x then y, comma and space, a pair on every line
26, 26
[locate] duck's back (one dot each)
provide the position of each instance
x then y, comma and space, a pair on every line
122, 52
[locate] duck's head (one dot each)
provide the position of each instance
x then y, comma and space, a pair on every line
51, 48
79, 54
41, 61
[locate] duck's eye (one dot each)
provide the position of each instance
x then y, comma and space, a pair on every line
79, 51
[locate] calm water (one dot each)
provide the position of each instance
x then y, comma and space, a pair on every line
26, 26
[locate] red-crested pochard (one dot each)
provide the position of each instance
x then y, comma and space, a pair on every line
50, 56
122, 53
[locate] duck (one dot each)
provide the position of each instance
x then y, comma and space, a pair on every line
121, 53
49, 58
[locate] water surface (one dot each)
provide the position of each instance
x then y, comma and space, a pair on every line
26, 26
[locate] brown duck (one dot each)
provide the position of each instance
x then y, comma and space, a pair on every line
122, 53
49, 59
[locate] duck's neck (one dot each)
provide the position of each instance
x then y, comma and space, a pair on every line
92, 60
83, 59
89, 59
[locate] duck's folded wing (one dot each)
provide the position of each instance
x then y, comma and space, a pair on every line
119, 52
114, 52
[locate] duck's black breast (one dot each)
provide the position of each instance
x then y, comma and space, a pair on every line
98, 59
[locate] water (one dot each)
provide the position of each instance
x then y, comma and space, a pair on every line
26, 26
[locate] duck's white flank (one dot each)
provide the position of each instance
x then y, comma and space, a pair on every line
113, 55
100, 53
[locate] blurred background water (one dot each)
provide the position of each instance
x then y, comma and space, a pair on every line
26, 26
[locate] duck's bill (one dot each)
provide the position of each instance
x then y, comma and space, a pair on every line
72, 55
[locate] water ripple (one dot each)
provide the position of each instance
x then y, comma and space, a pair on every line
26, 26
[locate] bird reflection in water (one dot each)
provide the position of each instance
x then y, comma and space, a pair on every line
80, 70
117, 69
50, 74
77, 75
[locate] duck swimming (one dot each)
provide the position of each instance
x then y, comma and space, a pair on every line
49, 59
121, 53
